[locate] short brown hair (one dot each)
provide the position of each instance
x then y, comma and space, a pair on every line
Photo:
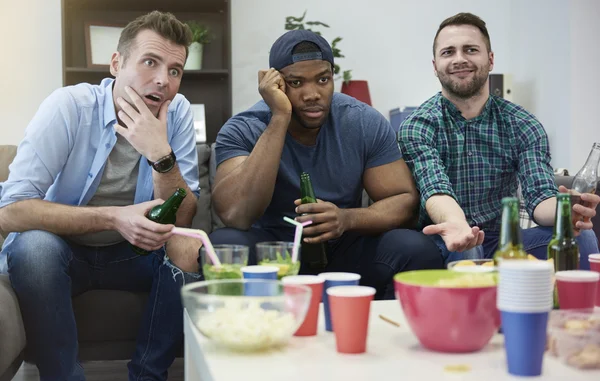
465, 18
164, 24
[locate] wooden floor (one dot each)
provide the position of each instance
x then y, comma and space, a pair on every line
100, 371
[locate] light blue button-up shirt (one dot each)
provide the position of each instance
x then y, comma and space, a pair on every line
68, 141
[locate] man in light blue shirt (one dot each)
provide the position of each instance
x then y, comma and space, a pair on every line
95, 159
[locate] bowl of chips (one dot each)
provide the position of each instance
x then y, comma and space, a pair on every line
449, 311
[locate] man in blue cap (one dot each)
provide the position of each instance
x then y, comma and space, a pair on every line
346, 146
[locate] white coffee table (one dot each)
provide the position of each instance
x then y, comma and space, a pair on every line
392, 354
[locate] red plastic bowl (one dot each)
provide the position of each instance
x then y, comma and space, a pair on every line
456, 320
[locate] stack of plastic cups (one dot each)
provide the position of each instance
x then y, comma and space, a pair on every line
525, 291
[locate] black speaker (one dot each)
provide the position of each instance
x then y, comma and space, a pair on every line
501, 86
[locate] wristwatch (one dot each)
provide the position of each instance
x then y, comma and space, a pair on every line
164, 164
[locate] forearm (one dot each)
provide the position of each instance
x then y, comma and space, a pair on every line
59, 219
443, 208
543, 213
165, 185
243, 195
387, 214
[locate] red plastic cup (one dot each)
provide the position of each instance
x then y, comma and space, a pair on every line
577, 289
595, 266
309, 325
350, 307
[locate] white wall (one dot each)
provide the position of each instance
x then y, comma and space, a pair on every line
387, 42
31, 63
585, 79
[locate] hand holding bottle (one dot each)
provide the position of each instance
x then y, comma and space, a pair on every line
584, 208
583, 191
329, 221
135, 227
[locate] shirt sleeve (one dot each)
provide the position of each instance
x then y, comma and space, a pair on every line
378, 136
233, 140
416, 141
534, 170
183, 144
44, 150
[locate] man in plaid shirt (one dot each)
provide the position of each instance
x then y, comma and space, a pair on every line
468, 149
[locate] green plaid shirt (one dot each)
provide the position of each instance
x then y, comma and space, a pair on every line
477, 161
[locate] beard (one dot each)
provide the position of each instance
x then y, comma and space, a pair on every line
464, 89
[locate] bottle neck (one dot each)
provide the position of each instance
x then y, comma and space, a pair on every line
563, 226
593, 159
510, 231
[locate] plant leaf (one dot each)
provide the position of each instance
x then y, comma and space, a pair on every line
317, 23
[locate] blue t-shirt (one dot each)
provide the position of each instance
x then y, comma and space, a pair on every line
355, 137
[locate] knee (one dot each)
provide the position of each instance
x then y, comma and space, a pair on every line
588, 242
37, 254
412, 249
229, 236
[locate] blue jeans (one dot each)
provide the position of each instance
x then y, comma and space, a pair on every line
535, 242
376, 258
46, 271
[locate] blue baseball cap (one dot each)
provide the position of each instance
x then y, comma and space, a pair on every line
281, 51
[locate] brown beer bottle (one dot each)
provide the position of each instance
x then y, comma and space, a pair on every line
314, 254
165, 213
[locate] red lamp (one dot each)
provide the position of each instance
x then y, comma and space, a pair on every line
358, 90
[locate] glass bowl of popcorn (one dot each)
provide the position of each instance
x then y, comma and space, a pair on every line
574, 337
246, 314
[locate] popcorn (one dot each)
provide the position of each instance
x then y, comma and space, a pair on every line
246, 327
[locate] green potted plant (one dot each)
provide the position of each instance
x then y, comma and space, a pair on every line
200, 37
293, 23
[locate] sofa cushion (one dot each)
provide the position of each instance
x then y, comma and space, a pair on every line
7, 154
203, 218
108, 320
12, 333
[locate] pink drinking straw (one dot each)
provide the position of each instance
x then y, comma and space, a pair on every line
297, 236
197, 233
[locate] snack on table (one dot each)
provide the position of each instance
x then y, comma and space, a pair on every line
470, 280
574, 336
242, 326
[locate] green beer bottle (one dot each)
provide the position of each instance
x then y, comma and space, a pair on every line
315, 254
563, 248
165, 213
511, 243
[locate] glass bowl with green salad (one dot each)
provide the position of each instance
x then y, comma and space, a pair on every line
232, 258
279, 254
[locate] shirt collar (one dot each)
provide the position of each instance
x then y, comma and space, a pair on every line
108, 111
455, 112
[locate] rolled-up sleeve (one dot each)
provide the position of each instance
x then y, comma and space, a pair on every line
183, 144
416, 141
42, 153
534, 169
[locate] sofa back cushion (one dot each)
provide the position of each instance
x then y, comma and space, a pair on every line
7, 154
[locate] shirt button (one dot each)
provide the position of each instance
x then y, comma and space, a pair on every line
107, 145
90, 175
470, 153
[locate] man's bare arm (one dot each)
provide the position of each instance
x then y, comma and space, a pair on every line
62, 220
244, 185
393, 189
165, 185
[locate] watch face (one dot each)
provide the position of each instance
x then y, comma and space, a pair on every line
165, 164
